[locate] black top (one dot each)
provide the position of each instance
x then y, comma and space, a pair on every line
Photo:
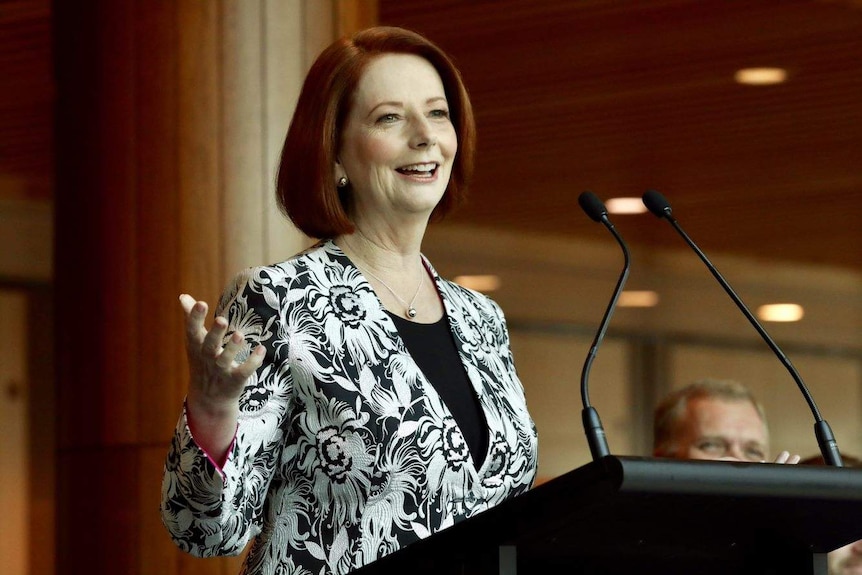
433, 349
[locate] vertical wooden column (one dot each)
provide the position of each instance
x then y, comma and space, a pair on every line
170, 119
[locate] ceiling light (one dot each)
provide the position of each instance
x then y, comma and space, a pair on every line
482, 283
780, 312
761, 76
625, 206
644, 298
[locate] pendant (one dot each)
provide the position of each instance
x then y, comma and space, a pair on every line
411, 312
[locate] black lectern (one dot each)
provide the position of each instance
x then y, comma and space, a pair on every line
644, 515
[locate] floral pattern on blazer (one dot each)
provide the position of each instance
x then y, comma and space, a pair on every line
344, 452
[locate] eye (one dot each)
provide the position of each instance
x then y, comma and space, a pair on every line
440, 113
755, 453
712, 446
387, 118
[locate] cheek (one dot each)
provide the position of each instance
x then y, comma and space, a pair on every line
376, 150
365, 151
695, 453
690, 449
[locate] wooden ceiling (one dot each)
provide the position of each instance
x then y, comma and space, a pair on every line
618, 97
610, 96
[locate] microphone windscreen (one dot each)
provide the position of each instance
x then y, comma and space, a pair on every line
592, 205
656, 203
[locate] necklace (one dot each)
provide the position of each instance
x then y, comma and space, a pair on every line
410, 310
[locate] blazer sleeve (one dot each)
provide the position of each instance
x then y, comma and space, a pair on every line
210, 511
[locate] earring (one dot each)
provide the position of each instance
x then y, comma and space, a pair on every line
342, 182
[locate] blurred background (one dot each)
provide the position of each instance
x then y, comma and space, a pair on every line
138, 146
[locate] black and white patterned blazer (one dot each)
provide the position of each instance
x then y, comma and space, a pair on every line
344, 452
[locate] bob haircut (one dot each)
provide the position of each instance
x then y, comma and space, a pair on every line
305, 186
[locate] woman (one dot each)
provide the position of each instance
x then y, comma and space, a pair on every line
349, 401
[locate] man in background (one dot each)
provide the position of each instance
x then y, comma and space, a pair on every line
713, 419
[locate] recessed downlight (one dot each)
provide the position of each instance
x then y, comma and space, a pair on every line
760, 76
783, 312
625, 206
483, 283
638, 298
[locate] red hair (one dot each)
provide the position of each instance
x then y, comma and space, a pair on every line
305, 186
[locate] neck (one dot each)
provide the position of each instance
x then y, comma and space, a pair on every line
396, 272
381, 254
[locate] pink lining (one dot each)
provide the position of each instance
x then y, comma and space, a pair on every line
219, 465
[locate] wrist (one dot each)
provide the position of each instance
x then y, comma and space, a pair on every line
211, 411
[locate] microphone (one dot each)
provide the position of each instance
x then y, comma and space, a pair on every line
596, 438
658, 205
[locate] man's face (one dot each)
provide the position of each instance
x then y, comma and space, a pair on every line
719, 429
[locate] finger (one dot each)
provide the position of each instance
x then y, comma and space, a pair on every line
794, 459
231, 348
187, 302
192, 307
212, 342
250, 365
782, 457
196, 313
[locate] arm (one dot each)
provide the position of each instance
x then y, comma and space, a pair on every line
224, 451
216, 380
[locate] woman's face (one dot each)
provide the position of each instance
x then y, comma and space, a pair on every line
398, 143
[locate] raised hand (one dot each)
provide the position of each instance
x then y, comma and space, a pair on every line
216, 379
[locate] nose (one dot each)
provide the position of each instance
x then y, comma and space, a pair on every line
423, 135
735, 453
739, 452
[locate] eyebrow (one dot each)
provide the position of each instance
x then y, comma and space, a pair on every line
712, 437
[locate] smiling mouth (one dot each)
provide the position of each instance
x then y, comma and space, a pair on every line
427, 170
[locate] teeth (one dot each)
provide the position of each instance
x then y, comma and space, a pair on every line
419, 167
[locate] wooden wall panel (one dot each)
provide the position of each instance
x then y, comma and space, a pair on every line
15, 389
78, 262
98, 522
115, 301
42, 415
26, 100
164, 186
199, 150
159, 326
156, 552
